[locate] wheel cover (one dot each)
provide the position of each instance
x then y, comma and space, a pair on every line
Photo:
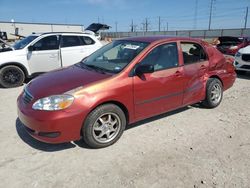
11, 76
106, 127
216, 93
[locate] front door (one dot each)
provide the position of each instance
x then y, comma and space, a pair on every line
45, 55
162, 90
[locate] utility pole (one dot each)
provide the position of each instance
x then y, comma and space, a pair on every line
159, 24
116, 26
246, 19
210, 14
146, 25
132, 26
195, 14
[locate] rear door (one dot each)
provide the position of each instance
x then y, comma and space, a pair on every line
162, 90
195, 67
71, 50
76, 47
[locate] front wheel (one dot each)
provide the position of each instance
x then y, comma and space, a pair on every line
11, 76
214, 93
104, 126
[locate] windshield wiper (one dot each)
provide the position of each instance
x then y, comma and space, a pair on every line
93, 67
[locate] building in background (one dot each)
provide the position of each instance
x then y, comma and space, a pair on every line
24, 29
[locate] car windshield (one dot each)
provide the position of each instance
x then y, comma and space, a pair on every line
114, 56
24, 42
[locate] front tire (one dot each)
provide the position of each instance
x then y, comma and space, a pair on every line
11, 76
214, 93
104, 126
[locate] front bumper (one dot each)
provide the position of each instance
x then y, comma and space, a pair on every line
51, 126
241, 65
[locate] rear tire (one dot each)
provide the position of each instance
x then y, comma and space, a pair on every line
104, 126
214, 93
11, 76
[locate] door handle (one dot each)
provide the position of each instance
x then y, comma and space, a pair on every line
52, 56
203, 67
177, 73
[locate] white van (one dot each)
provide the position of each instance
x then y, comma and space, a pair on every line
39, 53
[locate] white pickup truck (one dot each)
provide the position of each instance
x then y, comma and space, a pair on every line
40, 53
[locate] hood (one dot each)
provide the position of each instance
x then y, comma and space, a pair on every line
95, 27
245, 50
63, 80
5, 49
11, 56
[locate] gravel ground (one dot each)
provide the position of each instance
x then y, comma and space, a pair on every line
191, 147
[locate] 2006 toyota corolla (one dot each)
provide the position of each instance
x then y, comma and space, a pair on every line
125, 81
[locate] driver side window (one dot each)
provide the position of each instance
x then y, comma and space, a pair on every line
47, 43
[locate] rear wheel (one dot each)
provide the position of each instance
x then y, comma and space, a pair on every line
104, 126
11, 76
214, 93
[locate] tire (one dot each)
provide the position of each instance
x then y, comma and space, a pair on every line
214, 93
104, 126
11, 76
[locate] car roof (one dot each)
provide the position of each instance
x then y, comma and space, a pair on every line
151, 39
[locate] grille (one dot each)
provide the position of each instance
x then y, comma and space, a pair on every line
27, 97
246, 57
245, 67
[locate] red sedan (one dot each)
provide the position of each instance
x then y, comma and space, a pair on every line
125, 81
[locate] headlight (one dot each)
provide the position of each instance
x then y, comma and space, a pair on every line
238, 54
54, 102
233, 47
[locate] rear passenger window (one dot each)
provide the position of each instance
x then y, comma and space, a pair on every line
192, 53
163, 57
87, 40
69, 41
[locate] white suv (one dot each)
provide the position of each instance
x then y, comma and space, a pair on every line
40, 53
242, 59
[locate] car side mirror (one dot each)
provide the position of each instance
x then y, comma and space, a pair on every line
31, 48
141, 69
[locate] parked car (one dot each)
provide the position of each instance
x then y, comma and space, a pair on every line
230, 45
40, 53
242, 60
95, 28
4, 46
123, 82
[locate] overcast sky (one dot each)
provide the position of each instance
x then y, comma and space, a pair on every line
174, 14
